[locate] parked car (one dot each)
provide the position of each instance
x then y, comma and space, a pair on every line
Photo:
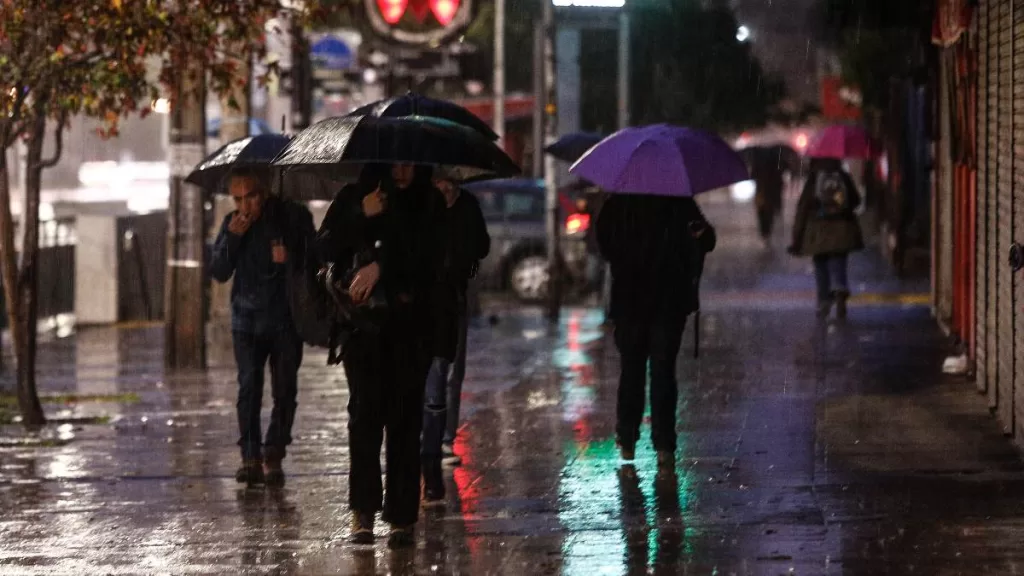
514, 209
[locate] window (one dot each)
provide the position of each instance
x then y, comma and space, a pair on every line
523, 206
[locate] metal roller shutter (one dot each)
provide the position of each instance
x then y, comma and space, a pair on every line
981, 242
1018, 210
1004, 181
992, 158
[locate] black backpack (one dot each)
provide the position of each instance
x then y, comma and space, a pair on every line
833, 195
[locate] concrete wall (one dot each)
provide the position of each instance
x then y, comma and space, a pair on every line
96, 270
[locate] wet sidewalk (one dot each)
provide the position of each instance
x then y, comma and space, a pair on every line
805, 448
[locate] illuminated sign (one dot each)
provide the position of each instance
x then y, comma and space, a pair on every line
589, 3
419, 21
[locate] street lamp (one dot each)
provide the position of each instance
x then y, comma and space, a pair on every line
743, 33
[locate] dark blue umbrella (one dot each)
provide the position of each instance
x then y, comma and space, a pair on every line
571, 147
251, 151
412, 104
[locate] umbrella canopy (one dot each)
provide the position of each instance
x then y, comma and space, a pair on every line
662, 160
412, 104
841, 141
337, 148
570, 147
251, 151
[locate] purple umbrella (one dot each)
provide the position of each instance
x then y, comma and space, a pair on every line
662, 160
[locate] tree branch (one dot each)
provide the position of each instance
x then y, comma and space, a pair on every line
58, 134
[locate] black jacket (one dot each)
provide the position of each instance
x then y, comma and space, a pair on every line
406, 240
466, 244
656, 262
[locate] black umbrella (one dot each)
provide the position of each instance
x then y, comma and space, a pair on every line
413, 104
571, 147
251, 151
337, 148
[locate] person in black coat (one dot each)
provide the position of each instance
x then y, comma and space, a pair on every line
467, 243
656, 247
387, 228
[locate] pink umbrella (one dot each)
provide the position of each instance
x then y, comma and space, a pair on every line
841, 141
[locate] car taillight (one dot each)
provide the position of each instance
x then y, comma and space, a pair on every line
577, 223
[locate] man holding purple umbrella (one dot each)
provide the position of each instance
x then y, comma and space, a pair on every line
655, 237
654, 244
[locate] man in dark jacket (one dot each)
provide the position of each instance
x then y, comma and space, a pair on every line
254, 245
656, 247
467, 243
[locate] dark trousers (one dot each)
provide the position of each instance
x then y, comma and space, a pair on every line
386, 375
766, 221
435, 408
830, 275
457, 376
641, 341
283, 349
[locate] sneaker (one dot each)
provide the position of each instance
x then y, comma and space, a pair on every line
401, 536
251, 473
362, 528
274, 474
450, 458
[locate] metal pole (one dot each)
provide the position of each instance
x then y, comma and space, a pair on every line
538, 102
550, 135
623, 69
499, 70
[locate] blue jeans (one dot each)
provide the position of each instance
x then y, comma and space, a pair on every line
830, 275
454, 380
283, 349
435, 408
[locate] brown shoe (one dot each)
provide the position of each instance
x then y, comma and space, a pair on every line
251, 473
401, 536
362, 528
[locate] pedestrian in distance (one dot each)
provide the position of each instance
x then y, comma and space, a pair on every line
826, 229
466, 244
253, 247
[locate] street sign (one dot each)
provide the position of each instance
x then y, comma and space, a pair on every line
331, 53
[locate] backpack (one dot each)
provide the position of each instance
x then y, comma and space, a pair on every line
833, 196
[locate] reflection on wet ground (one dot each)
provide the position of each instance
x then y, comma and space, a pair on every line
805, 447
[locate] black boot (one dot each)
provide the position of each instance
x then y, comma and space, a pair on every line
251, 473
275, 472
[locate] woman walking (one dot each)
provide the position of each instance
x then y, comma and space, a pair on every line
827, 230
386, 230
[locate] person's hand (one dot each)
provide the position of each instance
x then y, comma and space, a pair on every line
697, 228
364, 282
374, 203
278, 252
239, 224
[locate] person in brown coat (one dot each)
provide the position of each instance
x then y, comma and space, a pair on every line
827, 230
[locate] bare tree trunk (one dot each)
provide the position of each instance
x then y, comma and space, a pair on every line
24, 325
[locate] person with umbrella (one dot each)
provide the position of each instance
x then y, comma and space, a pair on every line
656, 238
254, 246
467, 243
388, 227
826, 229
766, 169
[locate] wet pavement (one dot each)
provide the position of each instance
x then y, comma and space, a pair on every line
805, 448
